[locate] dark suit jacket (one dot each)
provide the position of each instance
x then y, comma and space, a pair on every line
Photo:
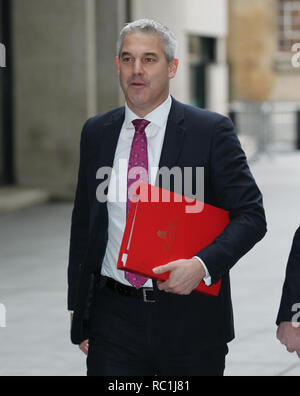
194, 138
291, 288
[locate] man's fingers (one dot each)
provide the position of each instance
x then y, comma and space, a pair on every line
163, 285
163, 268
291, 350
85, 350
84, 347
169, 288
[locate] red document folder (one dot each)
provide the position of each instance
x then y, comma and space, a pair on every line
162, 227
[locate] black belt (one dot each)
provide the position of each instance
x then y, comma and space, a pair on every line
145, 293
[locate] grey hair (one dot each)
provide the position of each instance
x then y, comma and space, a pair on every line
149, 26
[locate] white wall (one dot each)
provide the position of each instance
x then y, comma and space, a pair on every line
217, 86
206, 17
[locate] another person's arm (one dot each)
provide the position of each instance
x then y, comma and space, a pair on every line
288, 319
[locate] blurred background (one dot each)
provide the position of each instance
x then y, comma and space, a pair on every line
236, 58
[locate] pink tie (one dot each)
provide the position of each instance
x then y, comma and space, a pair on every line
138, 158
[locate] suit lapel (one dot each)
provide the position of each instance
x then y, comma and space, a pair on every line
110, 137
174, 137
108, 141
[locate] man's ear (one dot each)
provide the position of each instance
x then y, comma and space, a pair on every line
173, 67
117, 63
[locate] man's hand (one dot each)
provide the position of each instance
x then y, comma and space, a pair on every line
288, 334
71, 320
84, 347
185, 276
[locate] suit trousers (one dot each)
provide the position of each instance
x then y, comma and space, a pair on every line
127, 339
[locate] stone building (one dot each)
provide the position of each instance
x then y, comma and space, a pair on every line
261, 38
263, 41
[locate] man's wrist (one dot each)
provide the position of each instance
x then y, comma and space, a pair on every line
207, 277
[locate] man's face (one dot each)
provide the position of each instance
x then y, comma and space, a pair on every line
144, 72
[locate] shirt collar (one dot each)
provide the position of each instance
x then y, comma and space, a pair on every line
158, 116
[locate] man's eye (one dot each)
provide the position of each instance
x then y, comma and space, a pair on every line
127, 60
150, 60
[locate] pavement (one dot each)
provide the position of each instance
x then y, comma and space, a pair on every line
14, 198
33, 265
258, 278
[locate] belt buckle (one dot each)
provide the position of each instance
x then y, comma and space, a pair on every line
145, 290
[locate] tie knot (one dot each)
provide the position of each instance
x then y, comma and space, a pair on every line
140, 125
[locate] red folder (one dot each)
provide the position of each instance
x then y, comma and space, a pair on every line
163, 226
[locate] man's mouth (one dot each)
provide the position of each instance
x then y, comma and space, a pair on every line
136, 84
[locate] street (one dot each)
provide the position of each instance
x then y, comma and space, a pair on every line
33, 280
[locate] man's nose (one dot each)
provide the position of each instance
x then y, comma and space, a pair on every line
138, 67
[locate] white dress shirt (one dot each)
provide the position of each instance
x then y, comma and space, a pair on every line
117, 191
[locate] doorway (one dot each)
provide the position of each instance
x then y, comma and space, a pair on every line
202, 51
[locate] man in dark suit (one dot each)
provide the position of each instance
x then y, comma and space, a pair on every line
130, 325
288, 319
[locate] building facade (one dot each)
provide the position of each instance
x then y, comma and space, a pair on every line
261, 37
60, 71
264, 37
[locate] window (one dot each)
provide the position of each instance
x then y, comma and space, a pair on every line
288, 24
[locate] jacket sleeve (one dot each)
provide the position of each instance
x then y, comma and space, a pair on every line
235, 190
290, 301
79, 226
